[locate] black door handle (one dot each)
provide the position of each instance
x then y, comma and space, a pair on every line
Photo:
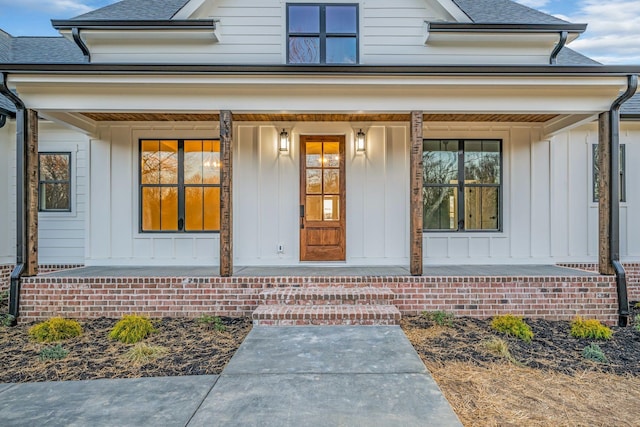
180, 224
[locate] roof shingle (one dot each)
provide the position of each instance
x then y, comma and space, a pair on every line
140, 10
504, 12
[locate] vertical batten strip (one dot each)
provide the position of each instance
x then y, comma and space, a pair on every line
226, 194
416, 203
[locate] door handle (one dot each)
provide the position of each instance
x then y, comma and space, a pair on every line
180, 224
302, 217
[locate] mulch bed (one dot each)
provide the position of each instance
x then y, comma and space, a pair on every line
193, 348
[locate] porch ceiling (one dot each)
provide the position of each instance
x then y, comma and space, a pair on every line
245, 117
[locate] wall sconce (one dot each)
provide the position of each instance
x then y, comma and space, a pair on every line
360, 141
284, 141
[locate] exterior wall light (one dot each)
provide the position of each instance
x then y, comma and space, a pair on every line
284, 141
360, 141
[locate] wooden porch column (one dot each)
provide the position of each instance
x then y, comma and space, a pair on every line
226, 194
31, 187
604, 195
416, 202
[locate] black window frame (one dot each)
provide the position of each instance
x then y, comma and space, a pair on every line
322, 34
595, 186
180, 186
461, 186
68, 182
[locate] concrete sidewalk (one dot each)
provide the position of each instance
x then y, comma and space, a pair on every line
280, 376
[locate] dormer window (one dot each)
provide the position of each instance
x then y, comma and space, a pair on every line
322, 33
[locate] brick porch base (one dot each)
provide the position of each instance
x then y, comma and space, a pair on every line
633, 276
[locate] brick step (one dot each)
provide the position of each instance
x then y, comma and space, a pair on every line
298, 315
331, 295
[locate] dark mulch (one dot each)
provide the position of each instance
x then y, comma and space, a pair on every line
192, 349
552, 348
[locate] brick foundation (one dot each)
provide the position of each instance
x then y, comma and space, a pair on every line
5, 276
540, 297
633, 276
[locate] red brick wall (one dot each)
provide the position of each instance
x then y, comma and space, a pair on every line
541, 297
633, 276
5, 276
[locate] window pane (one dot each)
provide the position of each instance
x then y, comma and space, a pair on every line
54, 197
440, 162
313, 208
440, 208
304, 50
332, 181
54, 167
150, 209
331, 208
211, 162
304, 19
341, 50
150, 162
314, 154
169, 209
482, 162
331, 155
212, 209
341, 19
193, 162
314, 181
481, 208
168, 162
193, 206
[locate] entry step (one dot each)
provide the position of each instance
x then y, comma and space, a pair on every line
365, 295
348, 314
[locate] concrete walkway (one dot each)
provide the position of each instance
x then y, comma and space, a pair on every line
299, 376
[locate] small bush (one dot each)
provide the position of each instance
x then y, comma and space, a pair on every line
499, 347
131, 329
637, 305
143, 353
53, 353
212, 322
441, 318
590, 328
6, 320
595, 353
4, 297
55, 329
512, 325
636, 322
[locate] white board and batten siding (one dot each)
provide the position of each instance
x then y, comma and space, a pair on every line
254, 32
7, 193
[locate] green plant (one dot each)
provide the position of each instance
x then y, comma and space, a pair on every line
131, 329
6, 320
143, 353
441, 318
4, 296
512, 325
55, 329
499, 347
590, 328
637, 305
595, 353
53, 353
636, 322
213, 322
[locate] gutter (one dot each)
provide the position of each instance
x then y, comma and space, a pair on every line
553, 60
21, 132
99, 24
448, 27
614, 185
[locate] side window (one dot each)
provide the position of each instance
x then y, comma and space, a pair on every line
54, 182
596, 171
322, 34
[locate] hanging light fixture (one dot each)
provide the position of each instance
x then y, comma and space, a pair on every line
360, 141
284, 140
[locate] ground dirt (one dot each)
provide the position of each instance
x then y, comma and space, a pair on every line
545, 383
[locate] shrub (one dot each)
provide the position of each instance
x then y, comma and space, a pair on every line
595, 353
143, 353
512, 325
212, 322
131, 329
53, 353
590, 328
441, 318
499, 347
55, 329
637, 305
6, 320
636, 322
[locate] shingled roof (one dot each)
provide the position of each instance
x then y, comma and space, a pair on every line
504, 12
631, 107
140, 10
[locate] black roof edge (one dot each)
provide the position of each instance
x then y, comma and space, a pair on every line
7, 113
102, 24
417, 70
492, 28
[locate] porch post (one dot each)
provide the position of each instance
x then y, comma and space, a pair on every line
416, 203
30, 200
226, 194
604, 195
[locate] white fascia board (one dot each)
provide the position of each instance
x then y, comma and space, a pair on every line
454, 11
470, 38
126, 36
188, 9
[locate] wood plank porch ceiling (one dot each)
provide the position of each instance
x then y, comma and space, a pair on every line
240, 117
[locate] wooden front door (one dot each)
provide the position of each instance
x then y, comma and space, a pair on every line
322, 199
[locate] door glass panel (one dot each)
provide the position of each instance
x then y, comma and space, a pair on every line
169, 209
440, 162
332, 181
331, 208
212, 208
314, 181
331, 154
211, 162
193, 208
440, 208
481, 208
150, 208
313, 208
193, 162
482, 162
150, 162
314, 154
168, 162
304, 50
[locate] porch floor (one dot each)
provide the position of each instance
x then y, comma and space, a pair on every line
324, 271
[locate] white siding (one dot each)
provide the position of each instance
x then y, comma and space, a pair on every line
7, 208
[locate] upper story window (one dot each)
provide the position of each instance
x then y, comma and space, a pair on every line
54, 182
322, 33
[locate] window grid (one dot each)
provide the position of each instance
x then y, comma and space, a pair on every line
43, 183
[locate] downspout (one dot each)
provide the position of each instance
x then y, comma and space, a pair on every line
3, 120
75, 32
553, 60
21, 133
614, 178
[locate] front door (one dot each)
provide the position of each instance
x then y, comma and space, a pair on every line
322, 198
